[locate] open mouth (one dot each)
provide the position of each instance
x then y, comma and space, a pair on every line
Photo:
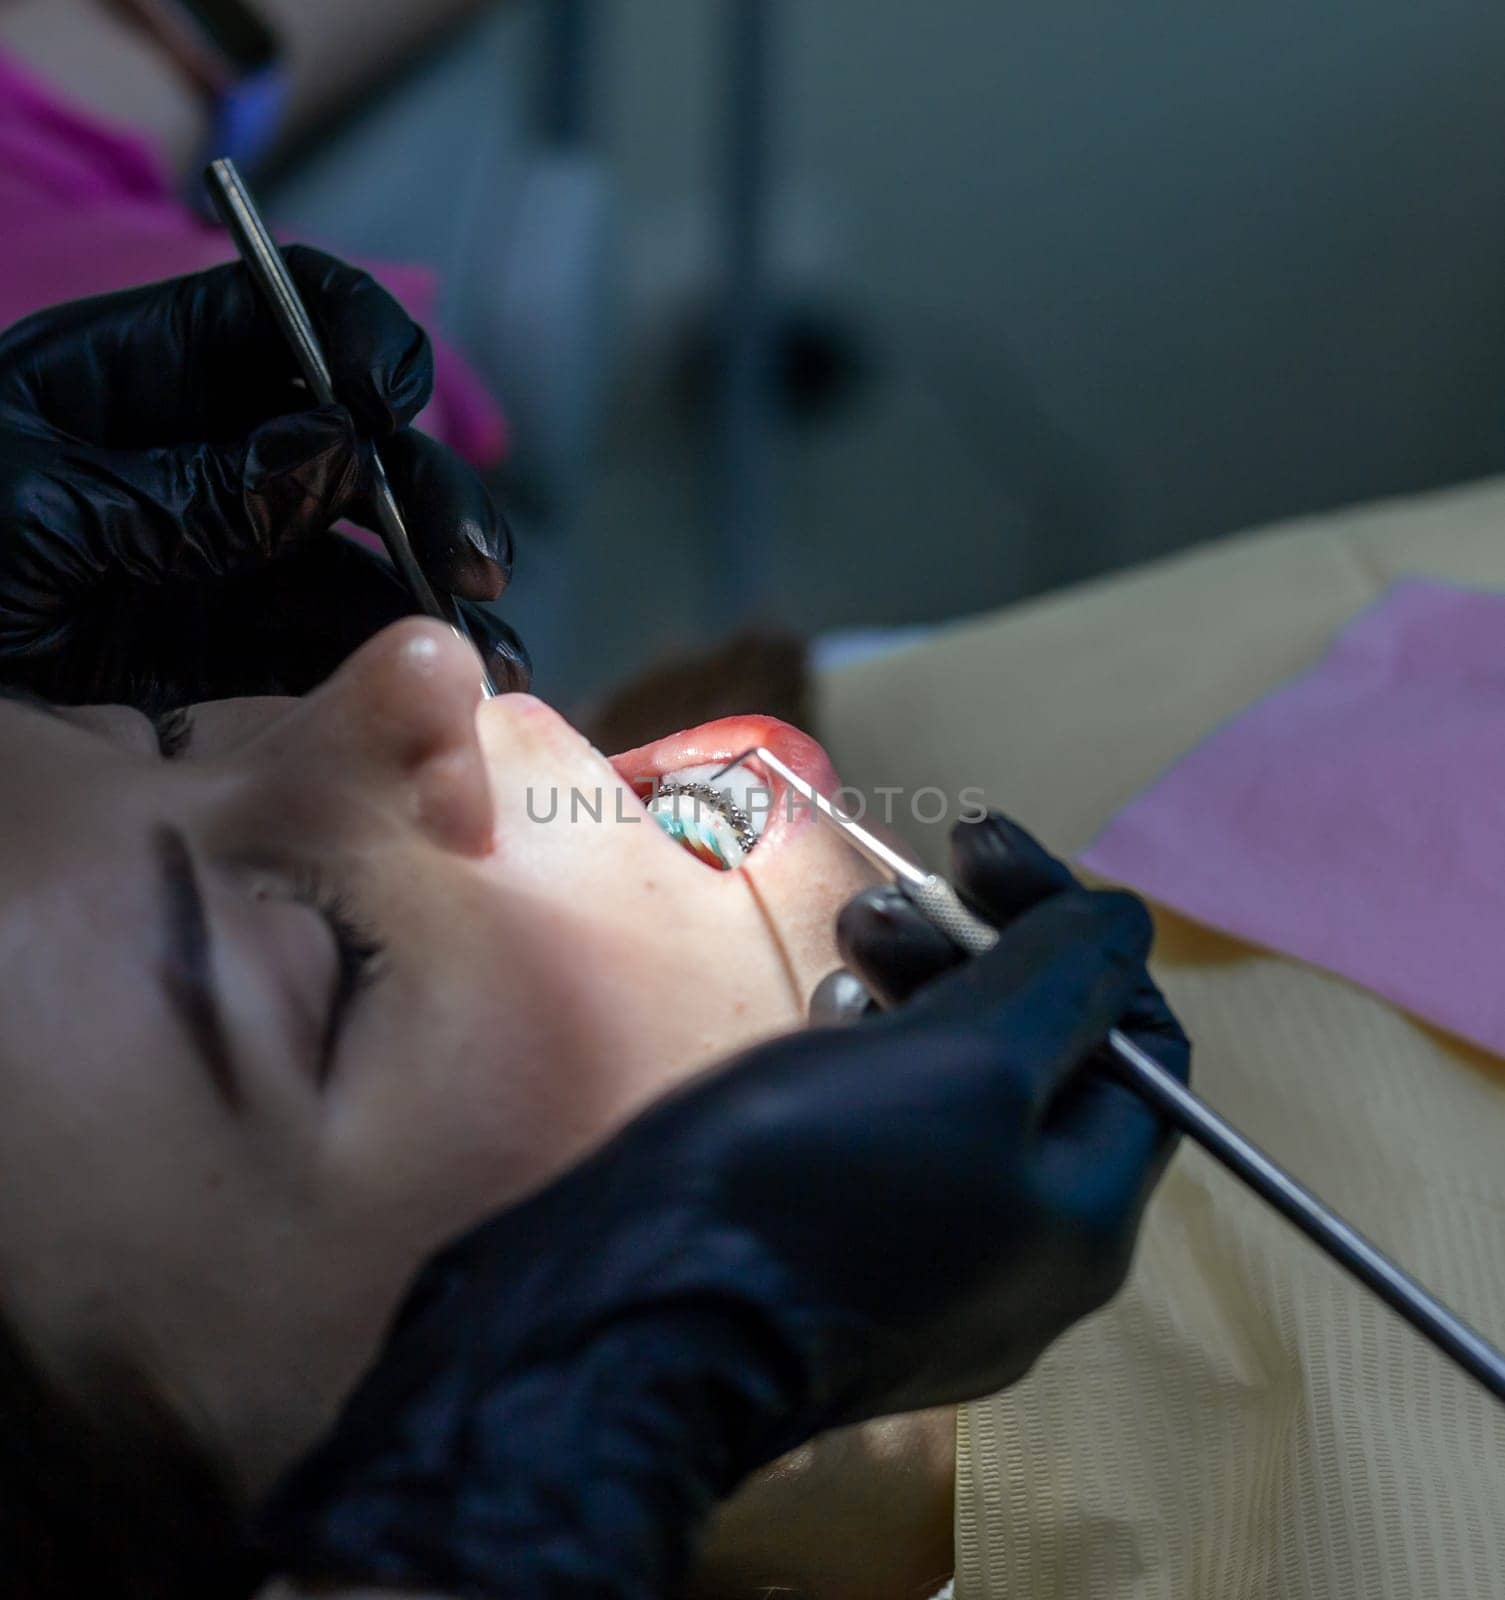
719, 816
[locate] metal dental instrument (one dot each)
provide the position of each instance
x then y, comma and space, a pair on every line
940, 904
237, 210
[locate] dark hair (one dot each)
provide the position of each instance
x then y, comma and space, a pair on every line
108, 1497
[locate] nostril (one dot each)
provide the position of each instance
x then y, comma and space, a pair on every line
453, 800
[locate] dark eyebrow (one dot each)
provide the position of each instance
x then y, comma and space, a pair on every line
186, 968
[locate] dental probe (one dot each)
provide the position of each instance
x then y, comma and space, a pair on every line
935, 899
237, 210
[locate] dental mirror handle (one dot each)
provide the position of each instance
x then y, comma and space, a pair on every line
258, 250
940, 904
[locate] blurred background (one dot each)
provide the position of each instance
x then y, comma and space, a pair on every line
861, 314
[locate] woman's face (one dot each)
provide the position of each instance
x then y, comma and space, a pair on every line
288, 1011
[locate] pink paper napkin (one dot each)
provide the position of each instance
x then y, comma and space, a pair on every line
1355, 818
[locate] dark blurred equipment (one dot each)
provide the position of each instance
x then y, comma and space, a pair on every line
480, 162
766, 360
745, 409
813, 362
569, 70
233, 58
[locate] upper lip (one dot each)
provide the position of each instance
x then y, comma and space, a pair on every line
714, 743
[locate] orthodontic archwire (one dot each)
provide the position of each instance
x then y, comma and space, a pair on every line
717, 800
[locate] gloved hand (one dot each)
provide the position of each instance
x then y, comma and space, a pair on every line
1001, 871
165, 495
842, 1224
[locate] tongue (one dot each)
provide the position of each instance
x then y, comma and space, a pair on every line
696, 823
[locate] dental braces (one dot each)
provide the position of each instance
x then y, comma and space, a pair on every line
719, 801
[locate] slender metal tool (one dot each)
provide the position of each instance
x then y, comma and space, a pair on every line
940, 904
237, 210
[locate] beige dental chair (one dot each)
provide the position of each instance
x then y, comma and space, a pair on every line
1243, 1423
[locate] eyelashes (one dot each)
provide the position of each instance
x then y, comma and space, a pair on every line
361, 947
361, 951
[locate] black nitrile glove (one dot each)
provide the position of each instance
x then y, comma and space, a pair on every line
164, 492
1000, 870
842, 1224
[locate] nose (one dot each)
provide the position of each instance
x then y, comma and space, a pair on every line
397, 723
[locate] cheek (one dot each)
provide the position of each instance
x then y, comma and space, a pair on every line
592, 1017
804, 884
487, 1076
559, 988
549, 1043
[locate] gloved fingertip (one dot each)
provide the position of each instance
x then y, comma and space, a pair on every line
890, 945
512, 674
879, 909
480, 562
1002, 868
460, 536
993, 838
383, 362
839, 999
298, 473
498, 544
309, 265
320, 427
506, 656
409, 382
1129, 931
984, 839
474, 574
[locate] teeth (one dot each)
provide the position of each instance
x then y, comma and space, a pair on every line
719, 823
701, 828
742, 786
